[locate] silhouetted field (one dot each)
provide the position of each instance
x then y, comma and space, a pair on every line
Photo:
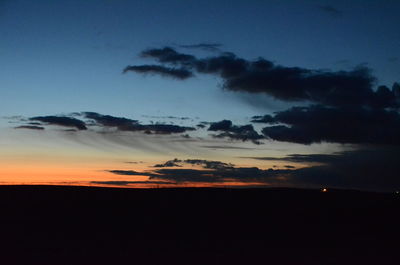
82, 225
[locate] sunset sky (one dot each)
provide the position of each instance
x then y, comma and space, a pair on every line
200, 93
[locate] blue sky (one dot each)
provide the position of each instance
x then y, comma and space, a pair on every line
62, 56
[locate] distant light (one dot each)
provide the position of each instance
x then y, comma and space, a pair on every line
324, 190
397, 192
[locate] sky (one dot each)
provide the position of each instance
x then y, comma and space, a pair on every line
207, 93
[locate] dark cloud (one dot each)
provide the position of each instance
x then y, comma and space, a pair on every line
170, 163
178, 73
168, 55
213, 47
31, 127
375, 123
263, 119
330, 10
243, 133
252, 136
300, 158
208, 164
223, 125
315, 124
371, 168
333, 88
212, 171
61, 121
126, 183
110, 121
187, 175
166, 128
167, 117
386, 98
223, 175
125, 124
127, 172
298, 84
226, 147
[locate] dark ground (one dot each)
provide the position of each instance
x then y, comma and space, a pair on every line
78, 225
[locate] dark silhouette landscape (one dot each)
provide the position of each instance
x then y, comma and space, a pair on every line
88, 225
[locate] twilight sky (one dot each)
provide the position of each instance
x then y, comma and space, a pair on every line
207, 93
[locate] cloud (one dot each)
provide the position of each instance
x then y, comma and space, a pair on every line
226, 147
223, 125
300, 158
126, 183
127, 172
243, 133
110, 121
61, 121
102, 121
334, 12
213, 47
166, 128
371, 168
292, 84
125, 124
170, 163
180, 73
207, 164
378, 122
289, 166
210, 172
167, 117
31, 127
187, 175
317, 123
168, 55
263, 119
222, 175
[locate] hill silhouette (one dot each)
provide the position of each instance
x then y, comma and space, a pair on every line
87, 225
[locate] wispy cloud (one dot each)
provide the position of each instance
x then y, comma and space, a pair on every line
31, 127
178, 73
213, 47
332, 11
